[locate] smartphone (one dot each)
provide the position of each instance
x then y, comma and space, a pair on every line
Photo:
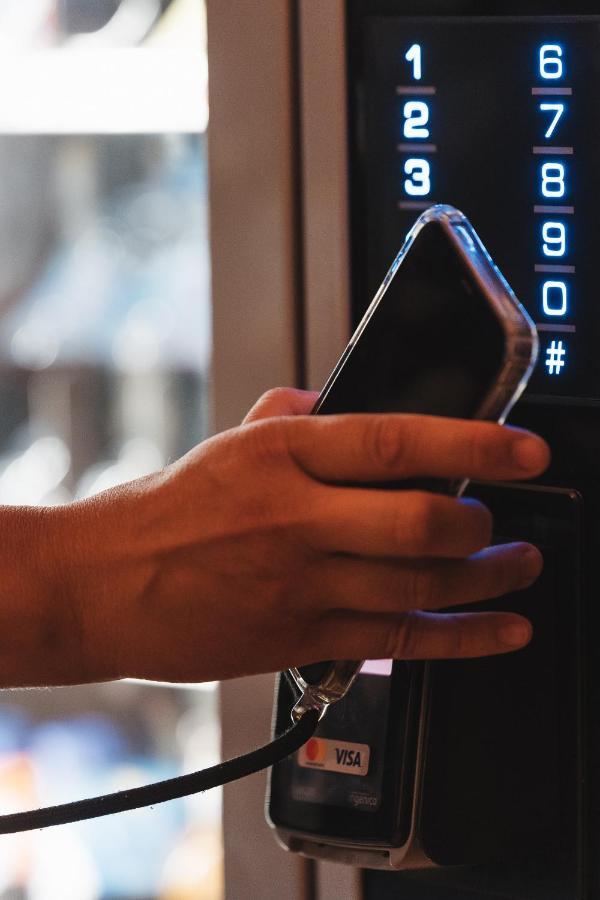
444, 335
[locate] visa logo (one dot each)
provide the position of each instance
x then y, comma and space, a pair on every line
348, 758
335, 756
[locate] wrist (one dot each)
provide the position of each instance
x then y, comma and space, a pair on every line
103, 560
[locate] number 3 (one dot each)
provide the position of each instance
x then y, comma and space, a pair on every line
418, 184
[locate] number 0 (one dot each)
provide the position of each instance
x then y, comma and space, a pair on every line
554, 298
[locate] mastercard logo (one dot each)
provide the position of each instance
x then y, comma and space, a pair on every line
315, 751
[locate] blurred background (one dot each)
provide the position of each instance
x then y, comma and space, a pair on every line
104, 358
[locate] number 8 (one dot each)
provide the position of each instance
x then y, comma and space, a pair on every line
553, 180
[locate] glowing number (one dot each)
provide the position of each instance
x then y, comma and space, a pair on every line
554, 235
419, 182
554, 298
553, 180
556, 108
551, 66
414, 56
416, 117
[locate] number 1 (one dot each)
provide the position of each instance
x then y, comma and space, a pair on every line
556, 108
414, 56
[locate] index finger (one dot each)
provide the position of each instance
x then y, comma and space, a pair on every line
385, 447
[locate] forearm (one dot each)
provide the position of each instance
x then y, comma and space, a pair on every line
64, 575
40, 626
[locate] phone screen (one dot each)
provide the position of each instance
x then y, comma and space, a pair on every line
433, 345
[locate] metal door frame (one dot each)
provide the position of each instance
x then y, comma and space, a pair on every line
278, 173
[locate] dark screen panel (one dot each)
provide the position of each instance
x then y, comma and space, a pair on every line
434, 344
450, 110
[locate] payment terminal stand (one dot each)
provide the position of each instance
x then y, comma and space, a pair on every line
460, 763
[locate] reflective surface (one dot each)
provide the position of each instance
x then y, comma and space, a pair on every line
104, 369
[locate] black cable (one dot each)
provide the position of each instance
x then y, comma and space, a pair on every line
223, 773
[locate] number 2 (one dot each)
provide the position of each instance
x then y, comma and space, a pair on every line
416, 117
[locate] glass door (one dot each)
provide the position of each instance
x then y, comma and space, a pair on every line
105, 349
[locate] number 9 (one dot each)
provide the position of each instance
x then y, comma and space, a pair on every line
554, 236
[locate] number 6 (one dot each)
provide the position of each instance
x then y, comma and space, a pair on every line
551, 66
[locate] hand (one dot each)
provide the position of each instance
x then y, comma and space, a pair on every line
251, 553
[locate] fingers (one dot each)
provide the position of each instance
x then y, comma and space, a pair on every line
384, 586
420, 635
282, 402
388, 447
396, 523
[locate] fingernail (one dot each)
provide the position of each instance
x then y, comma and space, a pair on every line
515, 635
532, 563
529, 454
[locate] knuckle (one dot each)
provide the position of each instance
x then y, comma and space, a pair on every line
268, 439
387, 446
421, 588
478, 524
419, 529
490, 580
458, 639
486, 521
477, 451
489, 451
502, 579
404, 638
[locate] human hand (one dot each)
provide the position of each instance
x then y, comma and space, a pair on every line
251, 554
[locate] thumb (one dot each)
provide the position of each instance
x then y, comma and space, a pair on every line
282, 402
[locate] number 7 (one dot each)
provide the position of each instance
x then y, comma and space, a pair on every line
556, 108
